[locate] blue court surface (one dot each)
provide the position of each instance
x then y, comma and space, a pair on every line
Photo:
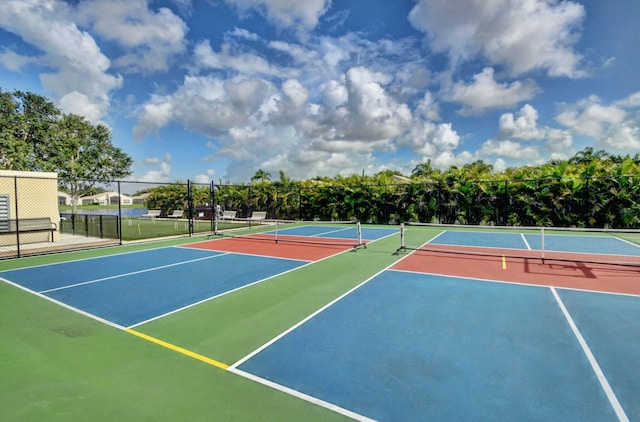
407, 346
132, 288
552, 242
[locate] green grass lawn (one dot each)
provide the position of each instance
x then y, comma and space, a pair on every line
141, 228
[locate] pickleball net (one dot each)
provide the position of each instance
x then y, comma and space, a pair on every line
607, 246
347, 234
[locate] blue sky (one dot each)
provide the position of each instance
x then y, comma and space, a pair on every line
217, 89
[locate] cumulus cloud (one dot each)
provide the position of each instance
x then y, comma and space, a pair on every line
205, 178
287, 14
374, 115
161, 169
14, 61
613, 126
520, 35
622, 137
204, 104
151, 39
589, 117
485, 93
514, 128
78, 70
432, 139
245, 63
521, 125
510, 149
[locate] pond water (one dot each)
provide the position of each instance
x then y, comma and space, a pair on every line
126, 212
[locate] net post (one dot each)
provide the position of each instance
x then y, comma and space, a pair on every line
542, 243
403, 245
359, 234
276, 237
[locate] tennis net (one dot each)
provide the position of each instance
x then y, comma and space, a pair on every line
610, 246
347, 234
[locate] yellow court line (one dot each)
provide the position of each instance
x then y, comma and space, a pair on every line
178, 349
504, 262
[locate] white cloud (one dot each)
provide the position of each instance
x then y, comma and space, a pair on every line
290, 104
589, 117
520, 35
79, 70
431, 139
510, 149
374, 115
243, 33
287, 14
484, 93
522, 125
14, 61
245, 63
613, 126
621, 137
205, 178
155, 114
448, 158
207, 105
80, 104
159, 174
151, 39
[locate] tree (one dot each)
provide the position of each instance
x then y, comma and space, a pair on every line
36, 136
82, 155
27, 121
261, 175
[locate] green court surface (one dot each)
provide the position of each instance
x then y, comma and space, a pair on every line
57, 364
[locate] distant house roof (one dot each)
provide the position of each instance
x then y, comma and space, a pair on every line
401, 179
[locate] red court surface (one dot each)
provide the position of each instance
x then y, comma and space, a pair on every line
573, 275
290, 247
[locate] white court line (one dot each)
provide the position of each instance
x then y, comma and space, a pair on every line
83, 259
303, 396
244, 286
133, 273
524, 239
234, 367
332, 231
64, 305
617, 407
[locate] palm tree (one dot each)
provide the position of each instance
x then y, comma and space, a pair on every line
261, 175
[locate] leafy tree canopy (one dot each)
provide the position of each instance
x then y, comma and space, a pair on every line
37, 136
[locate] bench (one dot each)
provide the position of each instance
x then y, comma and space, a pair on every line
28, 225
258, 216
152, 214
176, 214
229, 215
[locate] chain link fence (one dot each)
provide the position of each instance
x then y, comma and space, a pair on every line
40, 213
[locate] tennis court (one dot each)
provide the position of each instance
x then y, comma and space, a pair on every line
363, 333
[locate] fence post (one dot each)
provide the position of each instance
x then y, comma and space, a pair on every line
506, 203
190, 207
587, 204
214, 208
440, 202
119, 222
15, 193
